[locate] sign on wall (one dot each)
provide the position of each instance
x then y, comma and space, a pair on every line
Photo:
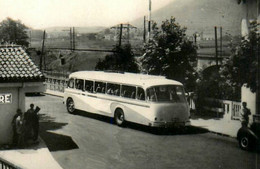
5, 98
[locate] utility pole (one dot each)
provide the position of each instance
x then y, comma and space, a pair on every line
128, 33
120, 27
221, 52
149, 19
30, 38
73, 35
216, 44
195, 38
120, 34
144, 36
43, 40
71, 47
257, 71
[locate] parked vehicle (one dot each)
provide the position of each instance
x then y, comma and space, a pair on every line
249, 137
144, 99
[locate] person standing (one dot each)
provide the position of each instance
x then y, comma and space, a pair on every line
28, 118
35, 124
245, 112
17, 124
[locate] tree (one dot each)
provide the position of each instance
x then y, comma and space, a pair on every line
171, 54
122, 60
241, 67
12, 31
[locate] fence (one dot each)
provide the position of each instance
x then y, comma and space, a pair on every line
7, 165
231, 108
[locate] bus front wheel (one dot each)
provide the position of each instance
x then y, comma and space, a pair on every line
119, 117
70, 106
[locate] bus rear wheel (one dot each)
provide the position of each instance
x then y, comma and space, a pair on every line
119, 117
70, 106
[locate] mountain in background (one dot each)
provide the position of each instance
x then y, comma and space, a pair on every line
202, 15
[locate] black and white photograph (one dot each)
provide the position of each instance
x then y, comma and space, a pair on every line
129, 84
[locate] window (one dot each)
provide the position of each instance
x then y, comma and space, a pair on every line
100, 87
113, 89
128, 91
140, 93
166, 93
89, 86
151, 95
71, 83
79, 84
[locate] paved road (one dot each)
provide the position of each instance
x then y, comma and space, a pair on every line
88, 142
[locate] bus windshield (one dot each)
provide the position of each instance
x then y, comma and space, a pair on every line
166, 93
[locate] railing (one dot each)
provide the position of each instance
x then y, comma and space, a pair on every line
4, 164
230, 109
56, 84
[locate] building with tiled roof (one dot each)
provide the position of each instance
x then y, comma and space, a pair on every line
16, 66
18, 76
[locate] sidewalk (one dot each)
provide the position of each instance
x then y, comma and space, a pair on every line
224, 126
36, 156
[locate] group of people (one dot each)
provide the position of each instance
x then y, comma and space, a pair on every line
25, 126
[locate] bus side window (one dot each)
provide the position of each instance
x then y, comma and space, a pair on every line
79, 84
140, 93
71, 83
128, 91
113, 89
89, 86
100, 87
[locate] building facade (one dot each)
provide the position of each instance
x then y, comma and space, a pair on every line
18, 76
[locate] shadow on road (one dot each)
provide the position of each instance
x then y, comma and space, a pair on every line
34, 94
55, 141
157, 131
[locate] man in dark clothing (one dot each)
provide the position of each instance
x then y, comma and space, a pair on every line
35, 123
245, 112
28, 123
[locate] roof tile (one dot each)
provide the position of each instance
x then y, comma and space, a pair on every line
16, 66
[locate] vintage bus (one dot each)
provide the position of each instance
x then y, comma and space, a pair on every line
144, 99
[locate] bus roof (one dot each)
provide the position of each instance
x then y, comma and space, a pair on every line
125, 78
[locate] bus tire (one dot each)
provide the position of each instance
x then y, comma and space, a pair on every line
70, 106
119, 117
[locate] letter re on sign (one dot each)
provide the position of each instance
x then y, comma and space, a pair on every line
5, 98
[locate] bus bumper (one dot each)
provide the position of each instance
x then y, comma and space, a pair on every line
169, 124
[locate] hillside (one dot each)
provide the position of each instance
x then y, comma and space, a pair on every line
93, 29
202, 15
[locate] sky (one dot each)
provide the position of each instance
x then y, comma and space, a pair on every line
39, 14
